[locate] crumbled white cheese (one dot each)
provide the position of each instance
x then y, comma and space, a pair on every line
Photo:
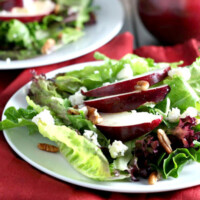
91, 136
106, 83
45, 116
117, 149
96, 72
84, 110
126, 72
8, 60
173, 115
78, 98
184, 72
190, 111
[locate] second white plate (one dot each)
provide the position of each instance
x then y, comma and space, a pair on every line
110, 18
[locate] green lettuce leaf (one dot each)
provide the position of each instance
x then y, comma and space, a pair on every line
19, 118
195, 74
82, 154
181, 95
121, 163
174, 163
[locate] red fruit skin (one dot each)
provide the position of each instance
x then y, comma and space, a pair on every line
128, 101
171, 21
9, 4
126, 133
127, 85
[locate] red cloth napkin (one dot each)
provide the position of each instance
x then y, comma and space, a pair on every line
19, 180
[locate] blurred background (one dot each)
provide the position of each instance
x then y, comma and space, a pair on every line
133, 24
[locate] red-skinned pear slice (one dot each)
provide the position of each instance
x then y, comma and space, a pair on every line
44, 10
129, 84
128, 101
126, 126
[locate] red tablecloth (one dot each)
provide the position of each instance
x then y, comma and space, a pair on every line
19, 180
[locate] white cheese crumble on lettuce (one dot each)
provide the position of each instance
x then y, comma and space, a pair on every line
117, 149
91, 136
190, 111
183, 72
78, 98
126, 72
84, 110
174, 114
45, 116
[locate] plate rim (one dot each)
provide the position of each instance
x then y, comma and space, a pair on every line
150, 188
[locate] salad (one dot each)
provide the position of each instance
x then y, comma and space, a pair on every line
31, 28
125, 119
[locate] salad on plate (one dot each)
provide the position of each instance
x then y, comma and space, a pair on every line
121, 120
34, 27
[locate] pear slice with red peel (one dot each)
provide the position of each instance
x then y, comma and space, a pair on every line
43, 9
128, 101
129, 84
127, 126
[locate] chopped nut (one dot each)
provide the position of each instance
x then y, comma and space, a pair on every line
93, 115
72, 111
48, 46
57, 9
60, 35
153, 178
164, 140
142, 85
48, 147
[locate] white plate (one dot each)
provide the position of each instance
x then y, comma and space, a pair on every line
110, 18
26, 147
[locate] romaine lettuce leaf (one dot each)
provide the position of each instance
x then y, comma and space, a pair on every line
82, 154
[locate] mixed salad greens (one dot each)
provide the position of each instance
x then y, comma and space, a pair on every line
25, 40
56, 110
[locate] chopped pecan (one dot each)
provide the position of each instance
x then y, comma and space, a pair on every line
72, 111
48, 147
48, 46
93, 115
153, 178
164, 140
57, 9
142, 85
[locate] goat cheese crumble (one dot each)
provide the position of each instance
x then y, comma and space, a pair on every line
45, 116
175, 114
78, 98
117, 149
184, 72
126, 72
91, 136
190, 111
84, 110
